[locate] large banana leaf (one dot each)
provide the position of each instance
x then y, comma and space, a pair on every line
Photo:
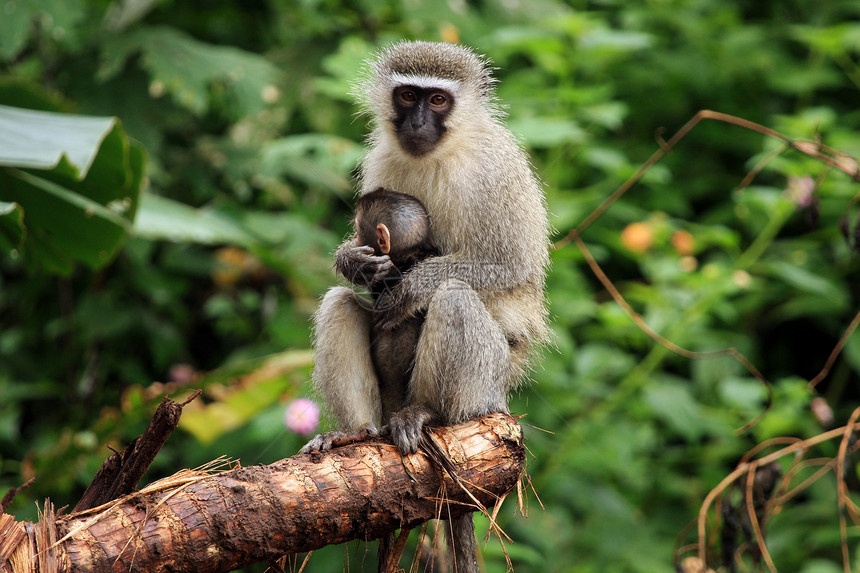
69, 188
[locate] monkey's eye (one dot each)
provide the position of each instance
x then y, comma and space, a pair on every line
408, 96
438, 100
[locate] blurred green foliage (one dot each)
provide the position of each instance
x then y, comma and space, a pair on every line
71, 185
244, 111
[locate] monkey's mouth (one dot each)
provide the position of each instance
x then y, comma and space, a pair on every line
419, 140
418, 145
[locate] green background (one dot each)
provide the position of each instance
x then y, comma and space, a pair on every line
251, 144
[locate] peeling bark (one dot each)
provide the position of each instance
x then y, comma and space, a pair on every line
214, 523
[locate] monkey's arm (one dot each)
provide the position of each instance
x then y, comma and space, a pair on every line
413, 293
359, 265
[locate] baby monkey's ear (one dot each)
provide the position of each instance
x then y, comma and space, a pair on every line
383, 239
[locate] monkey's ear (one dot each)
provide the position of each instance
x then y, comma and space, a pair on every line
383, 238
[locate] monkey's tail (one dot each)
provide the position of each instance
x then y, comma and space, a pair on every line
462, 544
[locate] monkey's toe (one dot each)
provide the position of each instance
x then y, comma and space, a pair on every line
405, 427
319, 443
366, 431
328, 440
406, 438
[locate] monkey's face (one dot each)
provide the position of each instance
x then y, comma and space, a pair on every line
419, 117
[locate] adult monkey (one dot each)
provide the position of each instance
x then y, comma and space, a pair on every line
438, 136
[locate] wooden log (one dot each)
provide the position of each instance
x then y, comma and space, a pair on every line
214, 523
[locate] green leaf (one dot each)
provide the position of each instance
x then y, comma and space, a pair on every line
315, 159
623, 41
746, 394
24, 93
57, 18
807, 281
39, 139
259, 385
341, 67
77, 181
11, 226
15, 28
548, 132
672, 402
821, 566
164, 219
609, 114
833, 40
191, 70
286, 228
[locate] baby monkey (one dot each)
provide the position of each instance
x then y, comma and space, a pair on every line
397, 225
393, 224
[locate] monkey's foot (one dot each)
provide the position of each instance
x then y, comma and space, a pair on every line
335, 438
405, 427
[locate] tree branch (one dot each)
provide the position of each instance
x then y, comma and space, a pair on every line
205, 523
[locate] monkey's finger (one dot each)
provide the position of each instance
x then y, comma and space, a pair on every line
328, 440
380, 261
368, 430
364, 254
360, 256
382, 270
361, 250
406, 431
369, 259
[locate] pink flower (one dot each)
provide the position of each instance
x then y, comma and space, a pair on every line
182, 373
302, 416
800, 190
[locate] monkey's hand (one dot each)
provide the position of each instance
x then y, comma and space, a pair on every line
394, 306
405, 426
329, 440
360, 266
413, 293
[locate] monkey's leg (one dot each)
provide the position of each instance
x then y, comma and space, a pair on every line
463, 360
462, 370
462, 366
343, 370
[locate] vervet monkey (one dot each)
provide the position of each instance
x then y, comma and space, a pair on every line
397, 225
438, 136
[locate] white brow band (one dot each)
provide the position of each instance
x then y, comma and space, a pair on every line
425, 82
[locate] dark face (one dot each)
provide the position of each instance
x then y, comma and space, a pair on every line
420, 117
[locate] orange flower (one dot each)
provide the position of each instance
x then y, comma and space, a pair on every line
683, 243
638, 237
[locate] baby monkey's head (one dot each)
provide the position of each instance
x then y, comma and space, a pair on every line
393, 224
